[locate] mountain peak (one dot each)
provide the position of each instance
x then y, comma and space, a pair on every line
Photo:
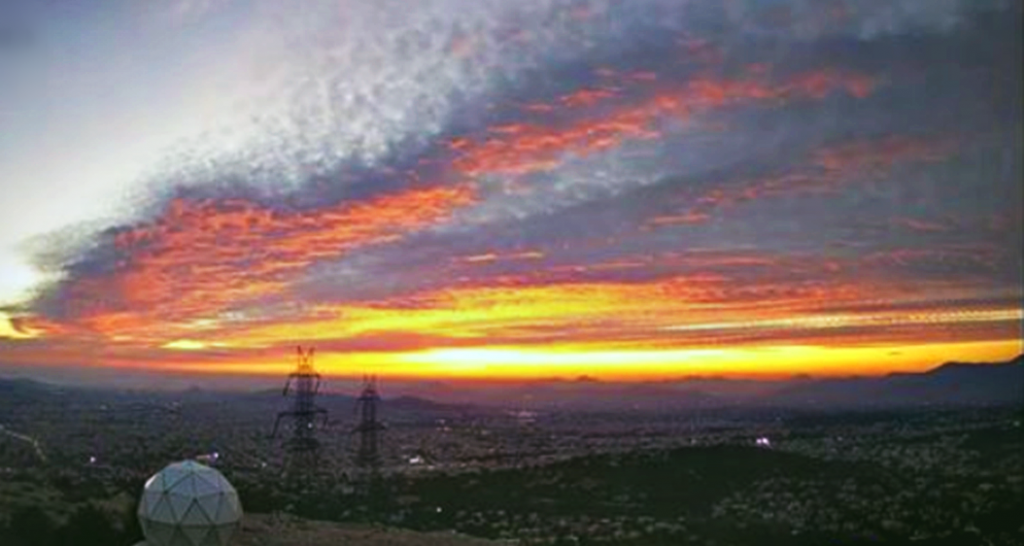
955, 366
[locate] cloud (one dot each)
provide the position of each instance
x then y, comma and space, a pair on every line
11, 328
198, 259
676, 312
924, 226
183, 11
309, 90
517, 149
394, 177
826, 170
339, 83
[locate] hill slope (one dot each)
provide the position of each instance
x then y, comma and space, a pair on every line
953, 383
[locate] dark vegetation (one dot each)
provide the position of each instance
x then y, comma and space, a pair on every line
88, 525
922, 476
682, 484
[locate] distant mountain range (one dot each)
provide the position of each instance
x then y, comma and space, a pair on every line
20, 390
951, 384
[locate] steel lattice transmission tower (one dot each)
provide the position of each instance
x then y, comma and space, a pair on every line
304, 410
369, 426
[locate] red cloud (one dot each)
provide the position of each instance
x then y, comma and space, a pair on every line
827, 170
493, 257
202, 257
524, 148
586, 97
685, 218
882, 154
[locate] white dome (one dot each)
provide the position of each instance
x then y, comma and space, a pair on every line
189, 504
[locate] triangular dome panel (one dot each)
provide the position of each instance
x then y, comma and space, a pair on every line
162, 511
187, 486
206, 484
172, 475
149, 500
215, 479
195, 515
179, 503
143, 508
230, 510
196, 534
210, 504
158, 534
179, 538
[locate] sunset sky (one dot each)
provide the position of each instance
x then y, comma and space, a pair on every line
627, 189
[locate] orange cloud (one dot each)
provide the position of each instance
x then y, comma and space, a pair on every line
491, 257
201, 257
33, 326
586, 97
514, 309
524, 148
516, 327
819, 84
873, 156
626, 329
982, 257
477, 312
685, 218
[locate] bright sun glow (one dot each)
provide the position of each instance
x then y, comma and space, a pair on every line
7, 329
624, 364
185, 345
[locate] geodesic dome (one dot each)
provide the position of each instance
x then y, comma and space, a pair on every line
189, 504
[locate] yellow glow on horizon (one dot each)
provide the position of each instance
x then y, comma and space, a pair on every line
958, 316
619, 364
658, 312
483, 312
660, 330
625, 364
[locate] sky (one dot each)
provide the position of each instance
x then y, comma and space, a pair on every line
623, 189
